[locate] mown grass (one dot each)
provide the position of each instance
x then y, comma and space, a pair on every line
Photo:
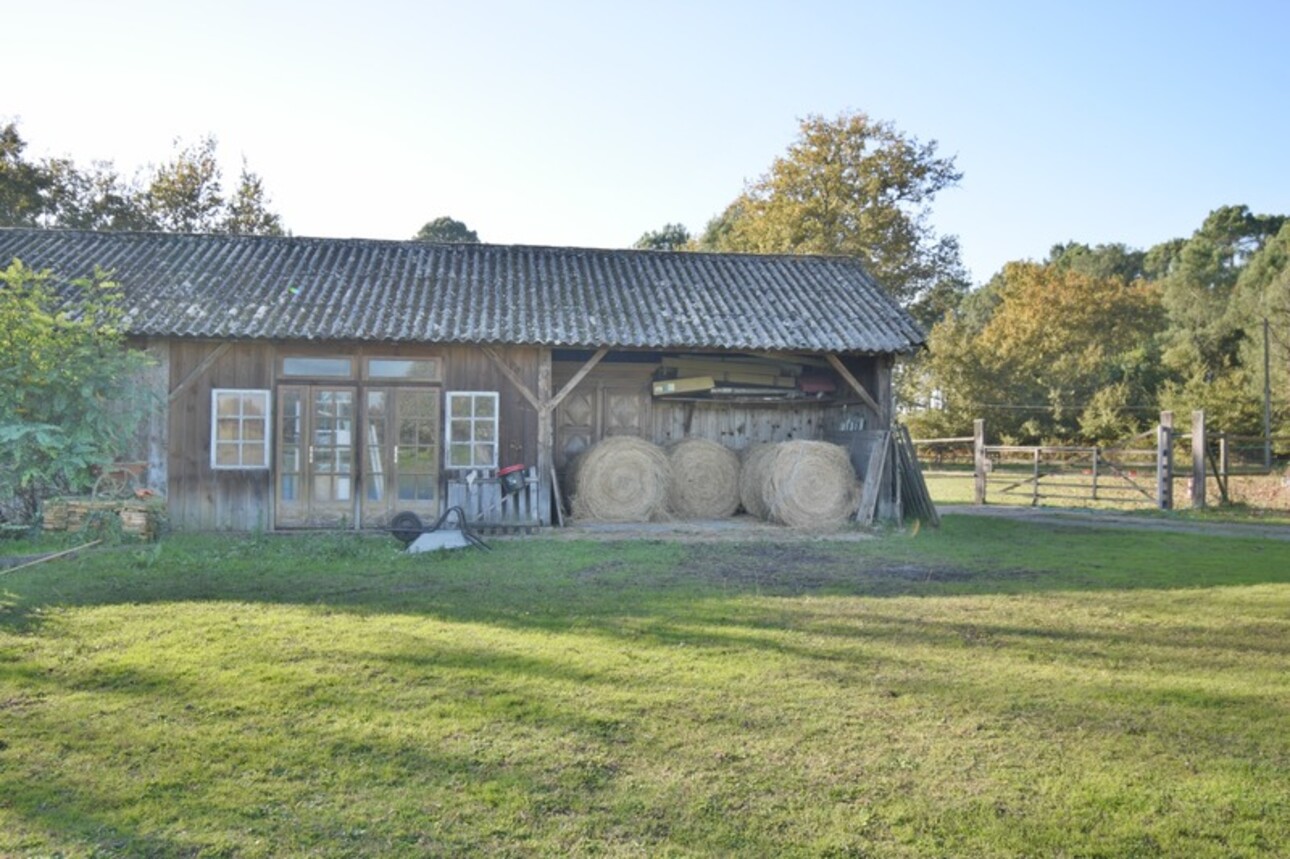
991, 689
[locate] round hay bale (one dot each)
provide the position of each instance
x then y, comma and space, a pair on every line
811, 485
705, 480
754, 474
621, 479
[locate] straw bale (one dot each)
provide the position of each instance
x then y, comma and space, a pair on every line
705, 480
754, 474
621, 479
811, 485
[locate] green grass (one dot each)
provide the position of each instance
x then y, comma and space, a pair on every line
991, 689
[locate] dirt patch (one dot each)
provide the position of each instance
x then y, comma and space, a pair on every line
799, 569
784, 569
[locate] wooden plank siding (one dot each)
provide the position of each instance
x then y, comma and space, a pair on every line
205, 499
201, 498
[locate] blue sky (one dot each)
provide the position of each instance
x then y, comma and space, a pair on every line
590, 123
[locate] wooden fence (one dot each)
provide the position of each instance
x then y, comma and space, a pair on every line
1140, 471
488, 507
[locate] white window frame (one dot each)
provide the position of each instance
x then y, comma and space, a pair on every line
242, 443
449, 439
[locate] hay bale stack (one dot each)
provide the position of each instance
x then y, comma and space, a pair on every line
621, 479
754, 474
809, 485
705, 480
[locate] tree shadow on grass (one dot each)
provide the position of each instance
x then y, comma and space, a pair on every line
557, 584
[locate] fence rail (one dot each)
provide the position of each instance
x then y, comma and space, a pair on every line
1138, 471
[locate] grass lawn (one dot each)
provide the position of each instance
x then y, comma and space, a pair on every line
989, 689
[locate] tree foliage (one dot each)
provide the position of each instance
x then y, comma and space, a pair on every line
68, 402
1094, 341
184, 194
446, 229
853, 186
672, 237
1059, 353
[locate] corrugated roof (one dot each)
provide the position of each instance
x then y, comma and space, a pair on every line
357, 289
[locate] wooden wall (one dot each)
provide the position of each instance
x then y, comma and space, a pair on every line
202, 498
616, 398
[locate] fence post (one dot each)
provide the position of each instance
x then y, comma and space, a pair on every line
1034, 496
1095, 452
1165, 461
1198, 450
978, 460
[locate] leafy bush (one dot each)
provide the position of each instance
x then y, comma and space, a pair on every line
68, 399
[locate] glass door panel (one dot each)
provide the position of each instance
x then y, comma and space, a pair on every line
316, 456
331, 456
401, 428
293, 505
377, 459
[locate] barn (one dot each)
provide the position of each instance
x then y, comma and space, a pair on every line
332, 383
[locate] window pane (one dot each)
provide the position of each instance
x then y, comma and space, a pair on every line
226, 405
226, 429
253, 454
460, 431
484, 455
485, 431
485, 406
327, 367
459, 455
424, 369
253, 429
459, 405
253, 405
227, 454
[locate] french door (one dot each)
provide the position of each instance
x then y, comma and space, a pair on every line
401, 430
345, 457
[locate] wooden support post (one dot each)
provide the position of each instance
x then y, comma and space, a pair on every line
1198, 450
509, 372
1034, 490
1165, 461
545, 437
158, 453
851, 380
1095, 459
578, 376
978, 460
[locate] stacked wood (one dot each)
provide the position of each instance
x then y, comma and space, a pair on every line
804, 484
705, 480
622, 479
137, 518
55, 514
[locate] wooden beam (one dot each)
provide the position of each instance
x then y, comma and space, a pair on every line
545, 439
577, 377
514, 377
855, 384
200, 369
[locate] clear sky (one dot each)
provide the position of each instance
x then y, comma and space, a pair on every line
587, 124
